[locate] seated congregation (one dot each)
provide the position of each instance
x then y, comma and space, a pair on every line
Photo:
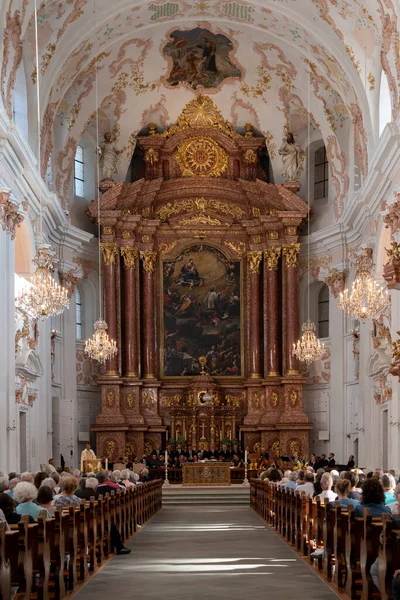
347, 524
56, 529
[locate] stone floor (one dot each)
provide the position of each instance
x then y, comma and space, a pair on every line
210, 553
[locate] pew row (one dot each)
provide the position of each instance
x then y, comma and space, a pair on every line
51, 558
350, 544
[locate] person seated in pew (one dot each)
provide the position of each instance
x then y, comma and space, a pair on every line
308, 486
4, 484
153, 461
125, 479
225, 453
67, 497
326, 486
373, 498
389, 483
103, 486
3, 519
291, 484
342, 490
396, 585
354, 493
87, 488
45, 499
317, 481
395, 506
212, 453
7, 505
24, 495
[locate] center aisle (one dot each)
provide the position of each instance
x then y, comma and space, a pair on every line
211, 553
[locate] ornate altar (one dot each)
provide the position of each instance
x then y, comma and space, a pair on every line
200, 284
206, 474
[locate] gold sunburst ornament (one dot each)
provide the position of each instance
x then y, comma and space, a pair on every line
201, 157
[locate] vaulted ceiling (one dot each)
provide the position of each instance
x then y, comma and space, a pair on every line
269, 52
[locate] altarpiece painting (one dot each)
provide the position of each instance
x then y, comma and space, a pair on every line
201, 313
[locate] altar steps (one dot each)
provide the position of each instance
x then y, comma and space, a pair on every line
177, 495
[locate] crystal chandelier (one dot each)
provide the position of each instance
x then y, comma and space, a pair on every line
45, 297
100, 347
308, 348
367, 297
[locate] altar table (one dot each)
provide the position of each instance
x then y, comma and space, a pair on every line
206, 474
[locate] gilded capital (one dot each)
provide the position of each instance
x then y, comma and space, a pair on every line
10, 218
110, 252
291, 253
271, 258
149, 260
254, 258
129, 254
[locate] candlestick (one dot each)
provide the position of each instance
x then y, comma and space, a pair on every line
106, 464
166, 482
246, 481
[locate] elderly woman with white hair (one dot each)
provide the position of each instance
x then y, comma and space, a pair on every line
24, 495
125, 479
389, 484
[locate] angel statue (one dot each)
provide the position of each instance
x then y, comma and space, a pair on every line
108, 158
292, 157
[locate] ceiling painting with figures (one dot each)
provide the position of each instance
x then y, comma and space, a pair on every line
200, 58
201, 313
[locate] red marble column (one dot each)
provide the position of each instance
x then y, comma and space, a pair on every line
290, 254
148, 259
254, 351
130, 255
110, 254
272, 326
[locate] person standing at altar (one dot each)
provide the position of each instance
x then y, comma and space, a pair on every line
87, 454
157, 451
190, 454
225, 453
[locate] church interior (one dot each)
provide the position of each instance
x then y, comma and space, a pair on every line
200, 285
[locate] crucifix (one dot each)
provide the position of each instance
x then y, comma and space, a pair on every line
203, 426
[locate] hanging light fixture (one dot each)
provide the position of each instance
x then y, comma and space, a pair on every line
99, 347
308, 348
44, 297
367, 297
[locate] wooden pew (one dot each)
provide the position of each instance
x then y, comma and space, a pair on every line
339, 545
369, 549
9, 550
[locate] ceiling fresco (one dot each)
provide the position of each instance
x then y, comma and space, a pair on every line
254, 58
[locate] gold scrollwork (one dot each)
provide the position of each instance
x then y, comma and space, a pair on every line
272, 257
126, 234
250, 157
148, 400
110, 252
146, 239
129, 254
293, 397
149, 260
291, 253
291, 230
249, 130
256, 400
254, 258
201, 157
110, 448
294, 448
274, 399
201, 219
129, 449
107, 230
276, 448
165, 249
200, 204
129, 399
146, 212
201, 112
151, 156
175, 400
274, 235
110, 399
240, 248
234, 400
256, 211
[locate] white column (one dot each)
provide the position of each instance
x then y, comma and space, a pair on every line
68, 402
337, 400
394, 412
8, 412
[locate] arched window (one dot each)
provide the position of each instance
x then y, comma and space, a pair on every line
78, 314
323, 312
321, 174
79, 182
